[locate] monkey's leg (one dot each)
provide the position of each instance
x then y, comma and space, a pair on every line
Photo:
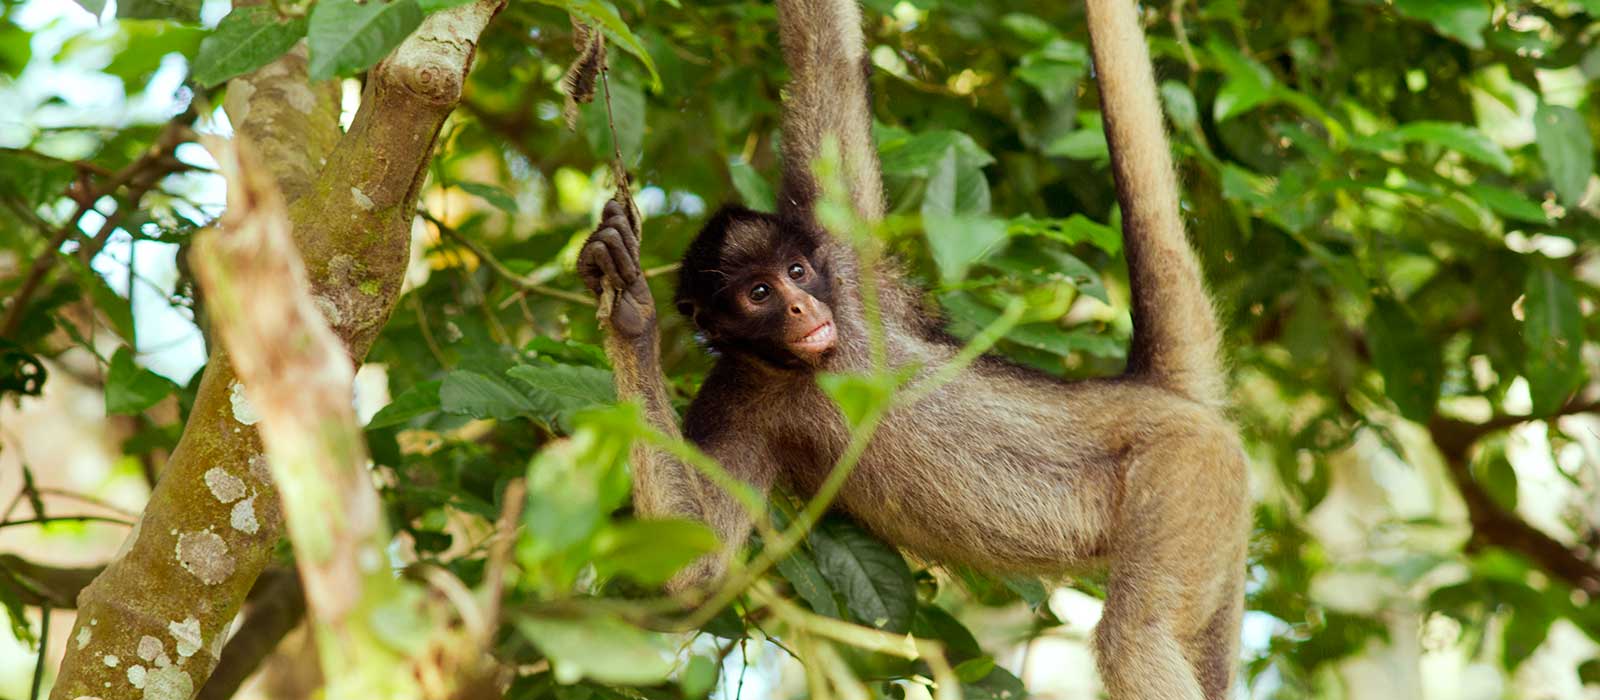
1170, 625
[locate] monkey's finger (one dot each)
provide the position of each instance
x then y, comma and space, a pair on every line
623, 260
630, 236
602, 259
589, 267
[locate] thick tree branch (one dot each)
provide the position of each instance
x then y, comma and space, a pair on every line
1494, 525
212, 521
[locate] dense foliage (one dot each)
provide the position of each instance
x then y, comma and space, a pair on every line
1395, 203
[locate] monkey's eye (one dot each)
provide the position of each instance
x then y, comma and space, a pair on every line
796, 271
760, 292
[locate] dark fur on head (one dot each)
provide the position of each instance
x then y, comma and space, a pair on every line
735, 245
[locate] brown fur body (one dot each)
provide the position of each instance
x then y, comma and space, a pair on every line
1003, 468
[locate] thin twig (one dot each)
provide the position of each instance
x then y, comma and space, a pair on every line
500, 269
44, 650
516, 498
68, 518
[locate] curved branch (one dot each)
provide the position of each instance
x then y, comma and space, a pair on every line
1494, 525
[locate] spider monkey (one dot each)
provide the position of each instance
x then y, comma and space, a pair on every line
1003, 468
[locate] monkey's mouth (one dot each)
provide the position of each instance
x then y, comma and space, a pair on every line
819, 340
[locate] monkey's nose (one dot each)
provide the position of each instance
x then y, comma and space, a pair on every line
795, 309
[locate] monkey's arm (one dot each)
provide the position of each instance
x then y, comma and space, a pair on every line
828, 95
662, 485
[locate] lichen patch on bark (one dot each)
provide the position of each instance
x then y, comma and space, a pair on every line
226, 487
205, 555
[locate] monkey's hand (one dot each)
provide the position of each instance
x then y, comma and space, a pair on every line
609, 266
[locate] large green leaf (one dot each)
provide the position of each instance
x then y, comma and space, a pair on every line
558, 389
959, 241
651, 551
1553, 335
872, 576
469, 393
801, 572
346, 36
247, 39
1567, 150
1461, 138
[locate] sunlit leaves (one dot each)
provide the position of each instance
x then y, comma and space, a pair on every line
482, 396
247, 39
1553, 333
1461, 138
1566, 149
345, 36
573, 486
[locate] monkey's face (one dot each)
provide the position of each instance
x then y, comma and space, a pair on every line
752, 287
781, 304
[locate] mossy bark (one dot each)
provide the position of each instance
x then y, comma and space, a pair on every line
153, 623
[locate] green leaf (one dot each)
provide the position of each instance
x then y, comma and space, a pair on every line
753, 189
469, 393
1508, 203
1080, 144
651, 551
933, 622
699, 677
1180, 104
1462, 20
1055, 70
999, 684
1567, 150
562, 389
1525, 630
857, 395
1249, 84
1407, 359
1553, 336
628, 109
247, 39
801, 572
902, 153
592, 644
180, 10
959, 241
15, 48
573, 486
974, 669
1493, 471
416, 400
873, 578
492, 194
148, 43
130, 389
347, 37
